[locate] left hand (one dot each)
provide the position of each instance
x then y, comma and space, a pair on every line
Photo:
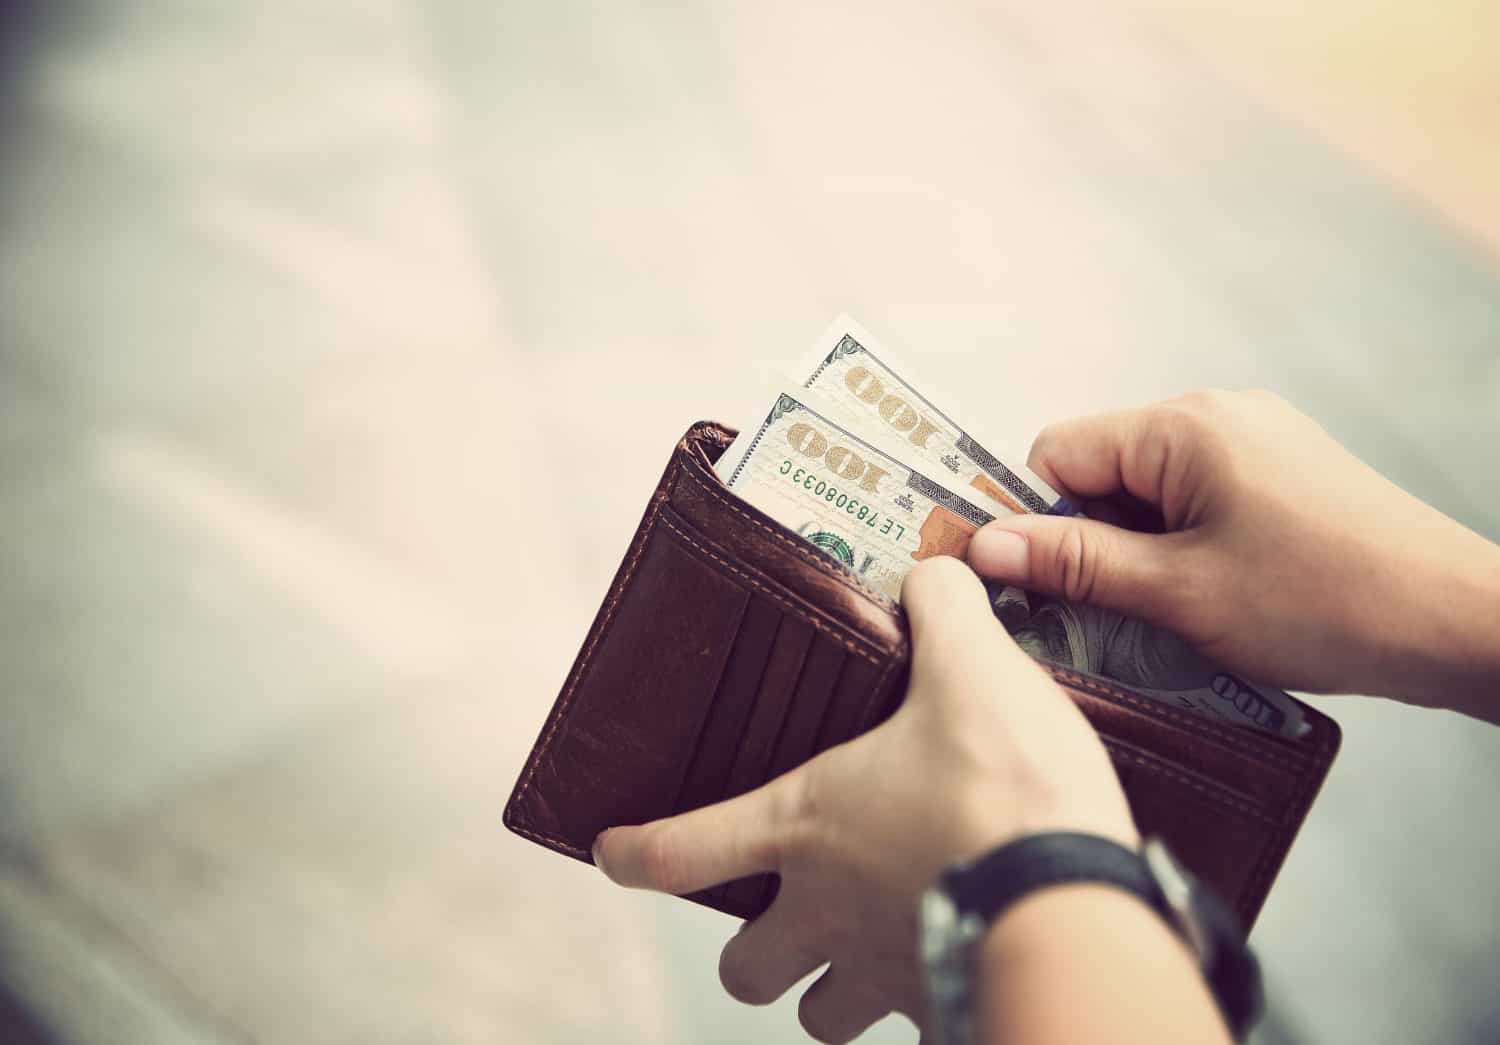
985, 748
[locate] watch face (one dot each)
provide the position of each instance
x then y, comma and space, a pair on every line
1176, 887
947, 941
938, 919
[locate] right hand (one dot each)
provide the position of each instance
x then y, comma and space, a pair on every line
984, 749
1283, 558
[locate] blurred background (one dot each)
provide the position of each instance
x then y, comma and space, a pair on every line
342, 341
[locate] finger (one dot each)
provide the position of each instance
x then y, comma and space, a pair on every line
942, 595
1084, 560
837, 1008
1123, 450
682, 854
951, 618
768, 956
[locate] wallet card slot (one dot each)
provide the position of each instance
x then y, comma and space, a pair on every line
817, 689
757, 744
764, 738
799, 703
799, 733
849, 706
732, 706
752, 756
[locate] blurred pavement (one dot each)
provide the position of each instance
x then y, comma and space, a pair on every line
341, 343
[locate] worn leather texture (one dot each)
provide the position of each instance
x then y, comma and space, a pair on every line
728, 650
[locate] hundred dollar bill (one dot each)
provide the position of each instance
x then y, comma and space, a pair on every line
1149, 660
863, 387
879, 517
864, 508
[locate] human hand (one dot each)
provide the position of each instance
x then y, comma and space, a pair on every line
1284, 557
984, 749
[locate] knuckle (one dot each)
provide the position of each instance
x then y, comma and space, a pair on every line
1171, 420
1178, 428
1077, 564
797, 820
1206, 400
1067, 561
792, 801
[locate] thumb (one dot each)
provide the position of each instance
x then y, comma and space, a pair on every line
953, 627
1084, 560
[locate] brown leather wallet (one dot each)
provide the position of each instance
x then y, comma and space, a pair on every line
729, 650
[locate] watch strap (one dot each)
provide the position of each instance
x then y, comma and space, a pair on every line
989, 885
986, 887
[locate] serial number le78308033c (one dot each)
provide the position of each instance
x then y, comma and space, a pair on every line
853, 506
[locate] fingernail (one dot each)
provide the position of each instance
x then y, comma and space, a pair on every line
598, 841
997, 552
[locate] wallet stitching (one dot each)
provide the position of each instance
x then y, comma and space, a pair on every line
1280, 842
760, 586
1195, 723
565, 702
796, 546
1252, 894
550, 842
876, 693
1214, 794
1271, 852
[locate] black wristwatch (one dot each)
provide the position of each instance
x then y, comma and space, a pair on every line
967, 898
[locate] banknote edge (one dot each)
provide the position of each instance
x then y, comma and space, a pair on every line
816, 360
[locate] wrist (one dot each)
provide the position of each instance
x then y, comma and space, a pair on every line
1090, 941
1075, 907
1436, 643
1470, 674
1052, 919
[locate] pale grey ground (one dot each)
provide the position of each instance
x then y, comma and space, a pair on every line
340, 344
